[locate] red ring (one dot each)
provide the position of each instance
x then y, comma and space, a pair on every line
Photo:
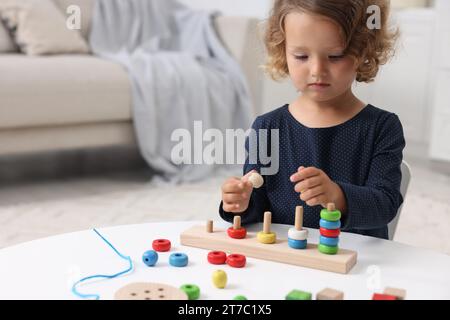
236, 260
330, 233
217, 257
240, 233
161, 245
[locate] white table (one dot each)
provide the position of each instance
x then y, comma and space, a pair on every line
47, 268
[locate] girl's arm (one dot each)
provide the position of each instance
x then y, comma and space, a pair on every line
259, 201
376, 203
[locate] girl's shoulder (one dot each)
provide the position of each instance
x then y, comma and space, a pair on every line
272, 118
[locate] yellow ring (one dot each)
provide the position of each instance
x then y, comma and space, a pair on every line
266, 238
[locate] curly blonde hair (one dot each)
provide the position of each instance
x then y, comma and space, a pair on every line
370, 47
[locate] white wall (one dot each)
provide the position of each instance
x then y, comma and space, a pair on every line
252, 8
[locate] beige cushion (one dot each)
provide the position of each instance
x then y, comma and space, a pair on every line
40, 28
63, 89
6, 43
86, 8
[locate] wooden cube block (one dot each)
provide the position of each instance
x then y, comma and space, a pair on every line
298, 295
399, 293
330, 294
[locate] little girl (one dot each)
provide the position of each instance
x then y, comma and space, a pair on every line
333, 146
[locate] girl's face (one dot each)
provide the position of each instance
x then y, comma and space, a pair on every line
314, 50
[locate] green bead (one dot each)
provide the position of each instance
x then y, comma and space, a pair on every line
328, 249
192, 291
330, 215
298, 295
240, 298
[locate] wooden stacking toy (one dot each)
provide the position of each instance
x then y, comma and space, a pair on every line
297, 236
266, 236
236, 231
330, 224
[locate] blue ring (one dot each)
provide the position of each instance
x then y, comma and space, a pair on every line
297, 244
178, 259
331, 225
332, 242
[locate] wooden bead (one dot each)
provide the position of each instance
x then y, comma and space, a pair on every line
178, 260
256, 180
219, 279
331, 225
192, 291
334, 215
331, 242
266, 238
237, 233
330, 233
217, 257
297, 244
161, 245
295, 234
236, 260
327, 249
150, 258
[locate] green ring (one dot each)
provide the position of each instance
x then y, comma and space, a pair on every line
330, 215
328, 249
192, 291
240, 298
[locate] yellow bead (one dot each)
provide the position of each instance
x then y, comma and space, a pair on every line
267, 238
219, 278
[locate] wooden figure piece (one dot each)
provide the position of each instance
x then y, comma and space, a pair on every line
330, 294
266, 236
236, 231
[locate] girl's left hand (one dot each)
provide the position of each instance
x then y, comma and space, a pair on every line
316, 188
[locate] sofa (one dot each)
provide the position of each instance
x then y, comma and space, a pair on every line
79, 101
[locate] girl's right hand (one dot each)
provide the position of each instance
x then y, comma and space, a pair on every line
236, 193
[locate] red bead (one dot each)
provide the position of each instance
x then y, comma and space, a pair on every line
240, 233
236, 260
379, 296
330, 233
161, 245
217, 257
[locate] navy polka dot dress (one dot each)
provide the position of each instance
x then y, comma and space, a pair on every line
362, 155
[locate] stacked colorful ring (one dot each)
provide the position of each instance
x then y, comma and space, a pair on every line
297, 239
330, 225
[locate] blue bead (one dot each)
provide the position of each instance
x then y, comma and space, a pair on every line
297, 244
332, 242
178, 259
150, 257
331, 225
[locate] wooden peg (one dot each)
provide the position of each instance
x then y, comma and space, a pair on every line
267, 221
331, 206
298, 218
237, 222
209, 226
